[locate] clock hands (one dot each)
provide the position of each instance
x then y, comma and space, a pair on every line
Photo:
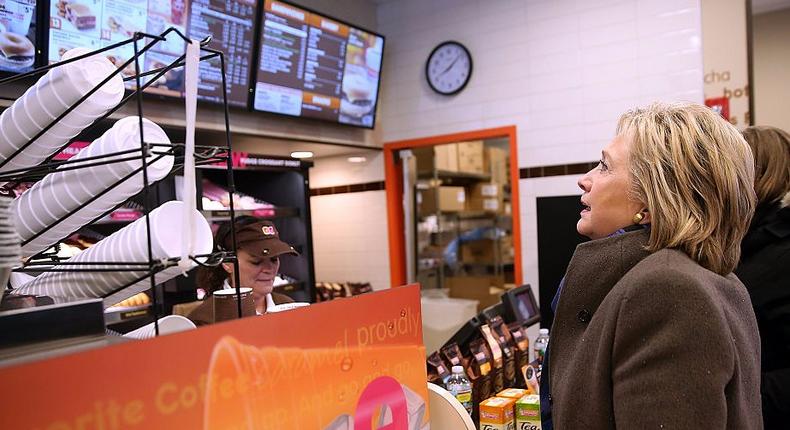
457, 57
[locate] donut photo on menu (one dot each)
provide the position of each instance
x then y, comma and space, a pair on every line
17, 35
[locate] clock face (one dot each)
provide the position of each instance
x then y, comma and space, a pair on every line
449, 68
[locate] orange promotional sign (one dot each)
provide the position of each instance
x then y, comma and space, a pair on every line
355, 363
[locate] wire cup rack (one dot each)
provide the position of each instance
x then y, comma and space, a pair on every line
46, 261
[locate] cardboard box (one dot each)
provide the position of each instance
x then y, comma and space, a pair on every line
484, 251
424, 159
440, 157
450, 199
496, 165
446, 157
512, 393
471, 157
528, 412
486, 197
487, 290
497, 413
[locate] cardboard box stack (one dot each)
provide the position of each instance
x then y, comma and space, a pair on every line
487, 290
471, 157
450, 199
495, 164
440, 157
486, 197
484, 251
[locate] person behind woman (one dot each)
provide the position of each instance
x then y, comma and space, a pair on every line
765, 267
258, 250
652, 329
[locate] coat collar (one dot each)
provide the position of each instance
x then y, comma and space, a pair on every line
594, 270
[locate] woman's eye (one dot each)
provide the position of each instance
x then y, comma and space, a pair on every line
602, 165
275, 259
255, 263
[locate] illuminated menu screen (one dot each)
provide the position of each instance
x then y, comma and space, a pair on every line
99, 23
18, 43
316, 67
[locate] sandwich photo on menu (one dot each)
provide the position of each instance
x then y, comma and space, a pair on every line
17, 35
360, 78
78, 17
81, 16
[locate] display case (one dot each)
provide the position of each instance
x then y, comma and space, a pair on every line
273, 188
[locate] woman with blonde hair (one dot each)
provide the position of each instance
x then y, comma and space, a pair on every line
765, 267
652, 329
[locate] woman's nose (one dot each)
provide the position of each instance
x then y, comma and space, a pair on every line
585, 182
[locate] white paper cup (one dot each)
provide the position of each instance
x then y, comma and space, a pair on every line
226, 306
87, 73
167, 325
60, 88
131, 246
64, 191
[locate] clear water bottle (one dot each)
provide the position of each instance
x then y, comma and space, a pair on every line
460, 387
540, 345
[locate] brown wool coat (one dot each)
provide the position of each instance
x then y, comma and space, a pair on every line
651, 341
204, 314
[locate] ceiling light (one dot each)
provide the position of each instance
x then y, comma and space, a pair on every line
357, 159
302, 154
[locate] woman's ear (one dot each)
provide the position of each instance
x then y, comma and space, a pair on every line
228, 267
645, 217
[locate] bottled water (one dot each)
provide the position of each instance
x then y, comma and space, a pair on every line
460, 387
540, 345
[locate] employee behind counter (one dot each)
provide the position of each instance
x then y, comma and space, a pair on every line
258, 249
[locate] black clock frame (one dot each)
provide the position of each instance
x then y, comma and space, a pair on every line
428, 63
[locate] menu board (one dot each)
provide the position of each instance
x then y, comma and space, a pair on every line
17, 35
99, 23
313, 66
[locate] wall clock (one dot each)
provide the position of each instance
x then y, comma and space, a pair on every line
449, 68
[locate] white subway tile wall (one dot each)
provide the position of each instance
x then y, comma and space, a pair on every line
561, 71
334, 171
560, 67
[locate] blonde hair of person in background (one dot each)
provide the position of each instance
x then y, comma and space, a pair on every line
695, 173
771, 148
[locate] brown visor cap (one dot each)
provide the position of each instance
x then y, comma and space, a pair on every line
261, 238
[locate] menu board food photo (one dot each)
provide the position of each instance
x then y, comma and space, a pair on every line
96, 24
314, 66
17, 35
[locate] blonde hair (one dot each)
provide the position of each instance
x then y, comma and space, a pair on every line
695, 173
771, 148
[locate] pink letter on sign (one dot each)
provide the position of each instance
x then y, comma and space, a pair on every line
381, 392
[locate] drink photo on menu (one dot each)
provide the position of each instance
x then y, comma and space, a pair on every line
17, 35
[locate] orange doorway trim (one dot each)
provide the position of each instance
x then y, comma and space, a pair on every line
394, 187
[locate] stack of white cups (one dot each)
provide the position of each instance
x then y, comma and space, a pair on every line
52, 95
62, 192
128, 244
167, 325
10, 255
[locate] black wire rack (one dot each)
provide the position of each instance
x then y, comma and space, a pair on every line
46, 261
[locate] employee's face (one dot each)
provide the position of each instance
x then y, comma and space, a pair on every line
257, 272
606, 205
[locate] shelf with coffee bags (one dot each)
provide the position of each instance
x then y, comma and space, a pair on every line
73, 96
